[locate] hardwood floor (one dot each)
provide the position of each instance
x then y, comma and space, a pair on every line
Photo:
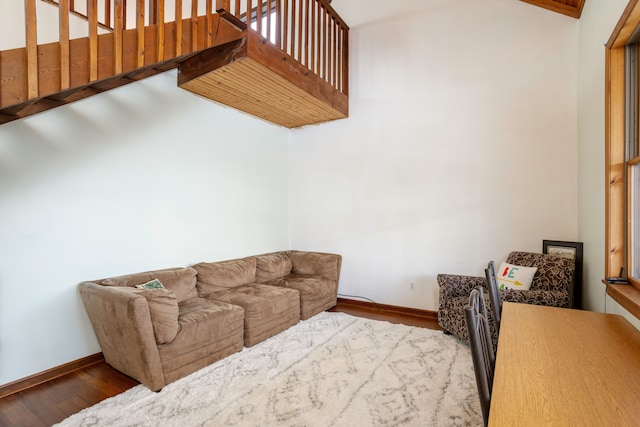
55, 400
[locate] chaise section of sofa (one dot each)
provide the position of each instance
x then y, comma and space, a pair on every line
268, 310
157, 336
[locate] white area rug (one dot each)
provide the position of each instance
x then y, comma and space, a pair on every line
331, 370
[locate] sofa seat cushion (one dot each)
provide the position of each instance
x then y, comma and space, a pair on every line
209, 331
268, 310
272, 266
218, 276
537, 297
182, 281
317, 294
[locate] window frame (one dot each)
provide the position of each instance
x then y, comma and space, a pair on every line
617, 168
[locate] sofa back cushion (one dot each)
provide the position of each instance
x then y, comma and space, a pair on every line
182, 281
272, 266
218, 276
163, 309
554, 273
316, 264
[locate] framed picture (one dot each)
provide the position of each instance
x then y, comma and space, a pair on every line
572, 250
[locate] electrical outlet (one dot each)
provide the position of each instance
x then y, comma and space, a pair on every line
412, 287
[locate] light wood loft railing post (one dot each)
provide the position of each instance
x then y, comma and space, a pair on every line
140, 15
194, 25
63, 18
300, 28
209, 22
313, 37
307, 33
285, 26
178, 13
118, 28
292, 48
268, 15
258, 17
32, 48
279, 23
92, 14
160, 31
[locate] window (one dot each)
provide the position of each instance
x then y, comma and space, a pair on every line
622, 158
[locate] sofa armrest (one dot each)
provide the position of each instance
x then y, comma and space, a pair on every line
455, 285
316, 264
122, 323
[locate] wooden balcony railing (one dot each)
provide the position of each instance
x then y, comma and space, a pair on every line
310, 31
124, 36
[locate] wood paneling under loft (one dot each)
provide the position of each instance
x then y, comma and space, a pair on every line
249, 76
572, 8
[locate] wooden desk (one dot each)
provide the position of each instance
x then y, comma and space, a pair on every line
565, 367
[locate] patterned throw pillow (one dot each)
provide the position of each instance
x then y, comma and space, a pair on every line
517, 277
152, 284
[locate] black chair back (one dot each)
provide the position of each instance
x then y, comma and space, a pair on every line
484, 359
494, 294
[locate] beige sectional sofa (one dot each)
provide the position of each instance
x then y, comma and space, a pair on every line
205, 312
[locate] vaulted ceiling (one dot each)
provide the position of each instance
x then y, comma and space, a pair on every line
571, 8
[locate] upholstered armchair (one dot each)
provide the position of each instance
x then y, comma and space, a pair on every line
552, 285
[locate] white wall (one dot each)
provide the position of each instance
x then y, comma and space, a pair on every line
143, 177
461, 146
596, 25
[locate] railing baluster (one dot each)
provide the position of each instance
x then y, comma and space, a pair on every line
249, 14
323, 58
31, 28
314, 7
269, 20
117, 37
140, 15
306, 34
340, 41
63, 17
293, 27
259, 16
237, 9
334, 50
107, 13
300, 22
178, 13
327, 45
194, 25
285, 26
278, 40
209, 21
160, 30
345, 63
92, 14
